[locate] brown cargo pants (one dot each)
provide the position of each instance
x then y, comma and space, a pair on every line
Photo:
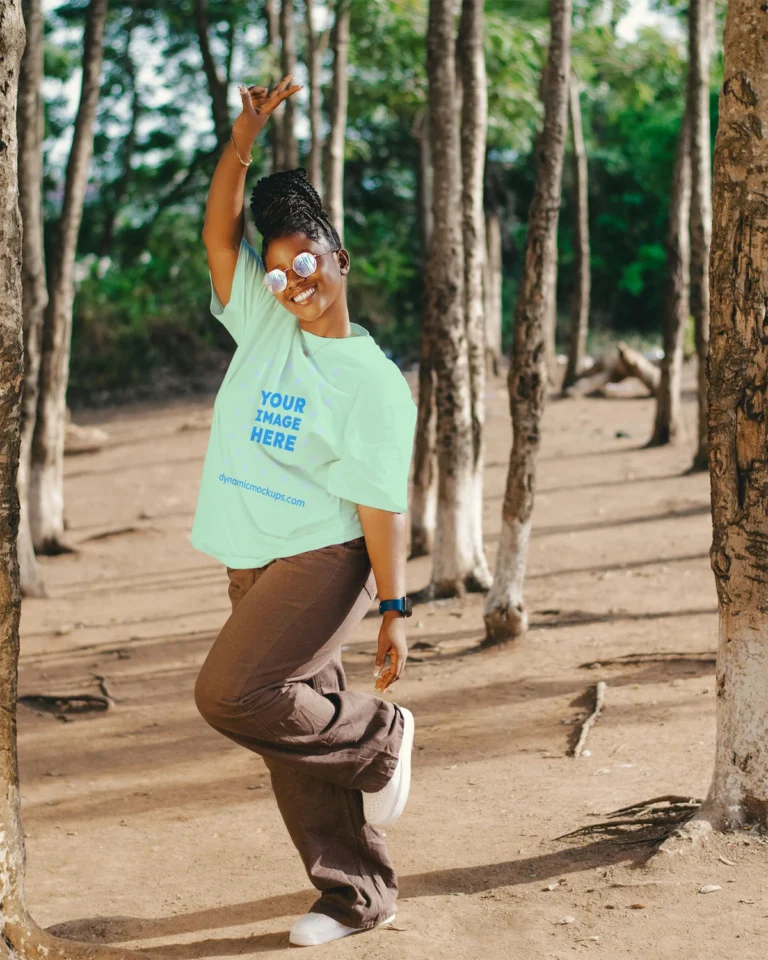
273, 682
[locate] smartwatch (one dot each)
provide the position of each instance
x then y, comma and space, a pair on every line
403, 604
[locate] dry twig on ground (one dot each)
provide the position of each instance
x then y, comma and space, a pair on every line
663, 656
600, 689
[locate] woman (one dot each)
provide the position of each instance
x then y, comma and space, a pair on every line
303, 498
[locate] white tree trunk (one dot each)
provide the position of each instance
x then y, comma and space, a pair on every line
506, 598
474, 124
46, 492
582, 288
505, 615
454, 553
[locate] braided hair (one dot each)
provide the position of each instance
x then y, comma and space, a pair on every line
285, 203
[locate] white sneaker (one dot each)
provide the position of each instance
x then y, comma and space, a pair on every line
384, 807
315, 928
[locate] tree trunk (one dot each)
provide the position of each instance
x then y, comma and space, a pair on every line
46, 494
276, 121
701, 17
492, 280
314, 161
738, 428
424, 180
21, 937
333, 194
492, 285
217, 87
288, 66
505, 613
453, 568
424, 487
117, 195
668, 424
581, 292
474, 128
549, 282
550, 323
29, 124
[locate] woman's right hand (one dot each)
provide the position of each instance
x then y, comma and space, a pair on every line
258, 104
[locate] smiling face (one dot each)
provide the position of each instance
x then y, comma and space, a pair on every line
308, 298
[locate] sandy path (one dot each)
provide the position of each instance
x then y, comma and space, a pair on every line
147, 828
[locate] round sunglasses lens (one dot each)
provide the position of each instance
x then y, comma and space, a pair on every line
305, 264
276, 281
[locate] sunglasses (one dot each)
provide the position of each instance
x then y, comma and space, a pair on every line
304, 265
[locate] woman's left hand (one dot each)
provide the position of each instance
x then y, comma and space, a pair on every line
391, 641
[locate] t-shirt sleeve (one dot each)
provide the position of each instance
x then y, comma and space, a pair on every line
376, 459
250, 303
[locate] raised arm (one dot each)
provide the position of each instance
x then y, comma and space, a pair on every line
223, 226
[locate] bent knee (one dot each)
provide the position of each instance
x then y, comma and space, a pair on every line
213, 701
219, 701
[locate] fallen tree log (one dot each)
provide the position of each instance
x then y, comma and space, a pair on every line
616, 367
608, 369
640, 366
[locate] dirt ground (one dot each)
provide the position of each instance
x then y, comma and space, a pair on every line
147, 829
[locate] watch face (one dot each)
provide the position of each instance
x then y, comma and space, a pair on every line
408, 607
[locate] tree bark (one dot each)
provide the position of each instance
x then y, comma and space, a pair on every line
29, 124
314, 161
276, 121
46, 494
21, 937
492, 281
549, 284
505, 613
424, 180
738, 427
425, 473
701, 16
581, 293
288, 66
474, 129
492, 293
333, 194
117, 195
217, 87
453, 567
668, 423
424, 486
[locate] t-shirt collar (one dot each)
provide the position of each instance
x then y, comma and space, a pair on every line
355, 331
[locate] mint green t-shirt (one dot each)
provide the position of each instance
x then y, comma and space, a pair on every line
297, 441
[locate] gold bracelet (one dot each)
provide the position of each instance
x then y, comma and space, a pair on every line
232, 138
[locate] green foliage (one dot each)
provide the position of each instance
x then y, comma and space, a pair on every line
145, 319
142, 306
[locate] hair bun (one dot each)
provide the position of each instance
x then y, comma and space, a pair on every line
286, 202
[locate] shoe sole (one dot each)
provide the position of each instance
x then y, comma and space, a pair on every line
406, 749
318, 943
